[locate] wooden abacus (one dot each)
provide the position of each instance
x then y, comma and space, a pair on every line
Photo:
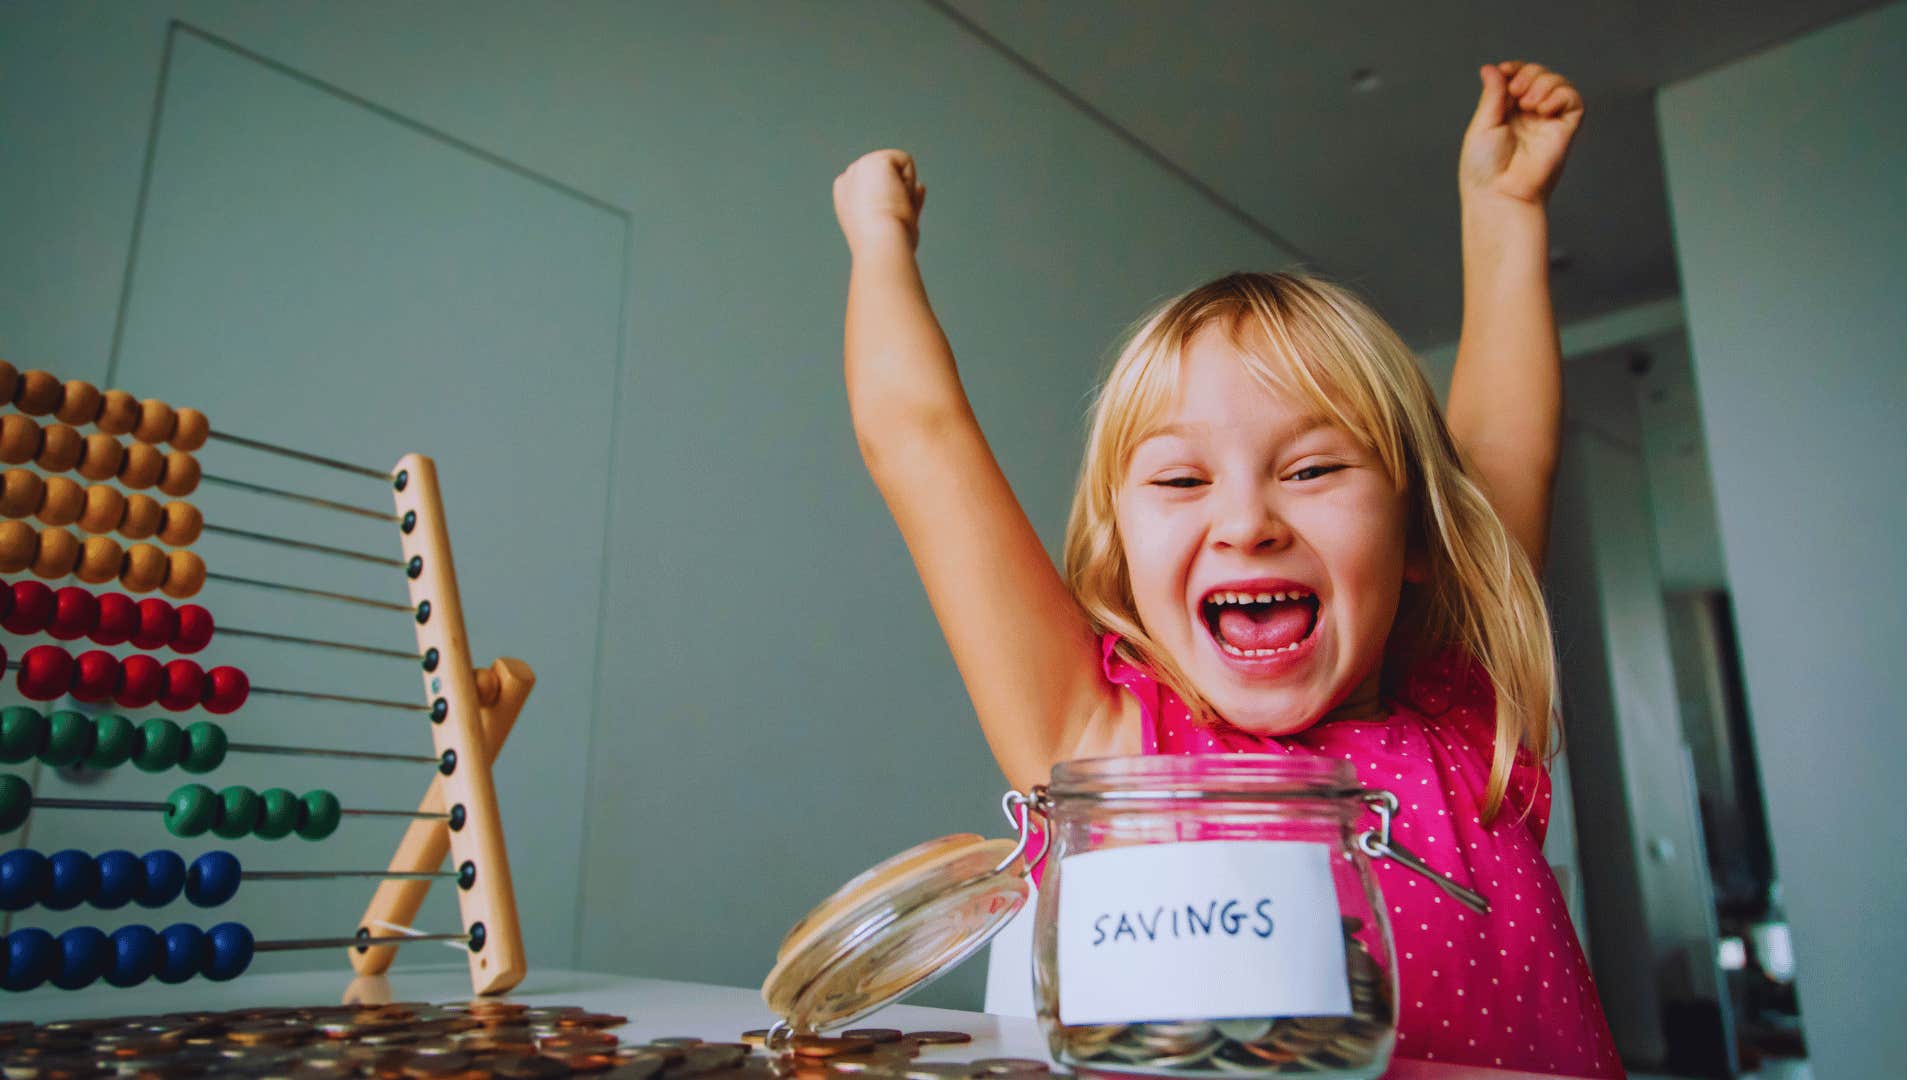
469, 711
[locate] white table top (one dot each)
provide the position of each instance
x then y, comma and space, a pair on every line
654, 1008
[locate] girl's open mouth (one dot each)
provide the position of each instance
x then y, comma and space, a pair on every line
1268, 624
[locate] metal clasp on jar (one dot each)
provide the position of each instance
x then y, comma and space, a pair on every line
1379, 843
1020, 811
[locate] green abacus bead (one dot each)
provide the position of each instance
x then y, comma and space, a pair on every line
69, 738
206, 748
279, 813
23, 734
16, 798
192, 809
161, 742
239, 812
113, 741
322, 814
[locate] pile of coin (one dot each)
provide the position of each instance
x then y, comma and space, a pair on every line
888, 1054
409, 1041
1357, 1044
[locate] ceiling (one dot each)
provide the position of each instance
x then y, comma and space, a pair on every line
1256, 101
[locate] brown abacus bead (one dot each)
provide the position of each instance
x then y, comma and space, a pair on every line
103, 511
190, 430
143, 568
100, 457
9, 380
20, 493
79, 403
141, 519
156, 422
185, 574
180, 473
119, 412
59, 448
99, 561
57, 555
18, 543
63, 501
180, 524
19, 439
142, 466
38, 394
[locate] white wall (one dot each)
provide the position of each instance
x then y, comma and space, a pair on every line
773, 706
1787, 182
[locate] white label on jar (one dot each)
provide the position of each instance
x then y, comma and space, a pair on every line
1203, 930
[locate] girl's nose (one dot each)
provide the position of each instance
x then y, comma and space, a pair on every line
1247, 522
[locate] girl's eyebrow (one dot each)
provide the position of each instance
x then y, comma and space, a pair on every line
1187, 428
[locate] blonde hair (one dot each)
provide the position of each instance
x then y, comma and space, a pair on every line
1315, 342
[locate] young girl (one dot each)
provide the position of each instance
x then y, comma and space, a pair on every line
1279, 545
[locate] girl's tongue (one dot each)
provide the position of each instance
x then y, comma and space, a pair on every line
1274, 625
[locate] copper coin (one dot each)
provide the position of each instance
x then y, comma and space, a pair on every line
577, 1040
582, 1060
940, 1038
678, 1042
821, 1046
879, 1035
528, 1067
756, 1037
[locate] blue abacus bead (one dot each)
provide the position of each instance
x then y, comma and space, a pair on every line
32, 958
213, 879
76, 878
185, 953
137, 954
165, 873
83, 957
232, 951
25, 877
121, 878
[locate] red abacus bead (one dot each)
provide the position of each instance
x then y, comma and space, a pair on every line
32, 608
225, 690
96, 675
141, 677
158, 622
119, 618
75, 612
181, 690
6, 601
196, 628
46, 672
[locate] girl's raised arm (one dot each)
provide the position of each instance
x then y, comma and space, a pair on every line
1026, 653
1504, 404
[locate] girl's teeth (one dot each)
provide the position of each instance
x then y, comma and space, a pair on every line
1265, 598
1233, 650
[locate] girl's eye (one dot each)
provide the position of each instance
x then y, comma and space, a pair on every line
1314, 472
1179, 482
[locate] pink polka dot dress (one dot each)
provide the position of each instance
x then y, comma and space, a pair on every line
1508, 990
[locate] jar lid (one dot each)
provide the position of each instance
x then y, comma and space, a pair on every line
894, 928
1229, 777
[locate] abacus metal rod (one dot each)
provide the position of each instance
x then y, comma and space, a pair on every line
305, 545
313, 500
299, 455
315, 695
351, 942
289, 639
304, 751
307, 875
257, 583
55, 803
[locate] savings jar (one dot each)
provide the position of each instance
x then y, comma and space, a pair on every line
1200, 916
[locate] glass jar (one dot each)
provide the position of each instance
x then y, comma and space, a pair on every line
1214, 915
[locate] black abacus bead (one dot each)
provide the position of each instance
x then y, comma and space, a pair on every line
363, 934
424, 612
477, 936
447, 761
431, 660
407, 521
468, 874
439, 712
400, 481
457, 817
415, 565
